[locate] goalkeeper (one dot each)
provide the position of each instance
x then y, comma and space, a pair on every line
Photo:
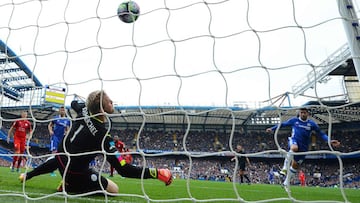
89, 135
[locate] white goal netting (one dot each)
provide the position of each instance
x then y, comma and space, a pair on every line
225, 62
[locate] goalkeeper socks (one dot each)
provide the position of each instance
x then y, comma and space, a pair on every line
131, 171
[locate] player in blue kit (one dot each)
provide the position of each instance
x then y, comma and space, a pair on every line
302, 127
58, 127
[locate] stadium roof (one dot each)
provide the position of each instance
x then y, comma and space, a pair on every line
338, 63
16, 77
346, 69
336, 112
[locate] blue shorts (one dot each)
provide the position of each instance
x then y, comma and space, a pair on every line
298, 158
54, 143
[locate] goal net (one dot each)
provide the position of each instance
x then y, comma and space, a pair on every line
220, 71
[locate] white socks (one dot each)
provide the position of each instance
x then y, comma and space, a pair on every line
287, 160
289, 175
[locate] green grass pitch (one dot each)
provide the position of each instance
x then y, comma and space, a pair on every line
42, 189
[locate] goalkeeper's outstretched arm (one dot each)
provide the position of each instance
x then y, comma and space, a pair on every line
118, 161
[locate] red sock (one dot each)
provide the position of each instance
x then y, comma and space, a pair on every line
15, 158
19, 162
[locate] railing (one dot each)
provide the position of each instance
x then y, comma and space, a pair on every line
31, 97
322, 70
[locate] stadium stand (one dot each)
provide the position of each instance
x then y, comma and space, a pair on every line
210, 132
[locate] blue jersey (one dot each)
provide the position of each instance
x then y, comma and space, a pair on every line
271, 176
60, 124
301, 131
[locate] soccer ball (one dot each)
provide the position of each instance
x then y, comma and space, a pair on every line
128, 11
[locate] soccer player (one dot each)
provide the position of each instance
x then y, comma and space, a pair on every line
58, 127
22, 129
302, 127
302, 178
271, 176
120, 146
89, 134
50, 165
242, 164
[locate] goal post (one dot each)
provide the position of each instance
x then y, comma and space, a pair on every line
347, 10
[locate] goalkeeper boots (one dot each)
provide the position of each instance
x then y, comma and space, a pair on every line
22, 177
60, 187
165, 176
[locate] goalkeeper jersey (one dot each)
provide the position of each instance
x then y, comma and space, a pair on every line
88, 135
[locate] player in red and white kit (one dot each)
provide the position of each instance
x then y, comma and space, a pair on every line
22, 128
302, 178
120, 146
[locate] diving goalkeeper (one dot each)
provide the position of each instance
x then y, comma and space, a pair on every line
89, 135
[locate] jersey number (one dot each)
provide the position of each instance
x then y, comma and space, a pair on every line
76, 133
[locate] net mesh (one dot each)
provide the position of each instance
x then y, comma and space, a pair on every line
185, 53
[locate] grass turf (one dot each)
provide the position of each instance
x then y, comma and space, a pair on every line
42, 189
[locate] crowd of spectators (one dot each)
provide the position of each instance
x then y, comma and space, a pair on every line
209, 141
218, 167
